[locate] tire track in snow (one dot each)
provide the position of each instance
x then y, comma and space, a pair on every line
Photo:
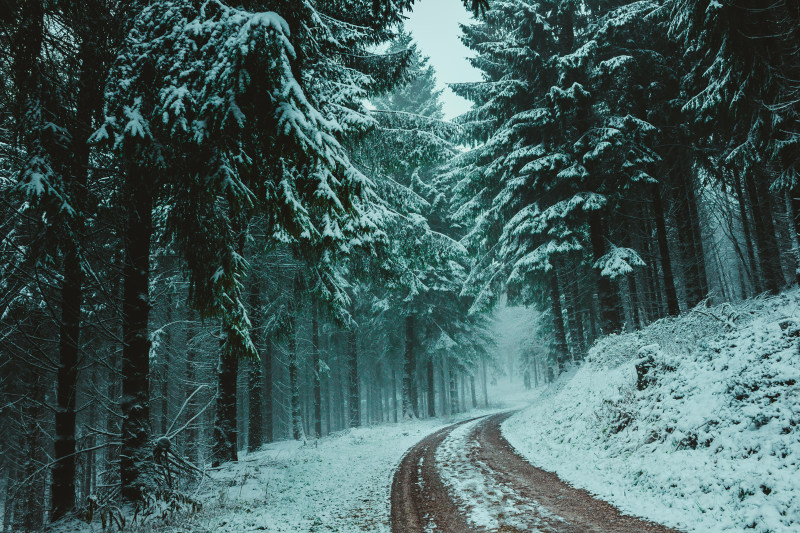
467, 478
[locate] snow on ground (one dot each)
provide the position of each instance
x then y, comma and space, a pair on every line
339, 483
712, 442
487, 503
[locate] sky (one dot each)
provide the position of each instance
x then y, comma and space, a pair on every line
434, 25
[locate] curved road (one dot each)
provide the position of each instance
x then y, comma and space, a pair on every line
528, 499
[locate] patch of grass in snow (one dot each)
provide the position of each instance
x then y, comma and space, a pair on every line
711, 441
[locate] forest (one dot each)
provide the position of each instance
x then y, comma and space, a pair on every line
231, 223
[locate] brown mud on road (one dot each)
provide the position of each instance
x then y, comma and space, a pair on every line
529, 499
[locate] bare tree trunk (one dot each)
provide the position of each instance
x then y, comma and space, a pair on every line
751, 266
431, 374
394, 395
697, 240
255, 428
135, 454
454, 403
768, 253
355, 399
317, 370
558, 321
792, 206
192, 435
266, 369
472, 389
485, 384
226, 424
576, 322
294, 377
690, 268
663, 249
409, 372
165, 367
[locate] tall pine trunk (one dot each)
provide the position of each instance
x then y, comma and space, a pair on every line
255, 427
136, 451
431, 374
697, 240
576, 321
352, 375
472, 391
294, 377
751, 266
165, 365
768, 253
686, 246
226, 431
317, 370
454, 403
192, 445
409, 371
485, 383
559, 330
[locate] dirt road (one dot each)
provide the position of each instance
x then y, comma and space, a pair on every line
492, 489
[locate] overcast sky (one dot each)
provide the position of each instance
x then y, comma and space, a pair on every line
434, 25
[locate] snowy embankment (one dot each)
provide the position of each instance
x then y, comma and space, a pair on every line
710, 442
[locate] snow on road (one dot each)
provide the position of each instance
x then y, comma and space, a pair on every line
487, 503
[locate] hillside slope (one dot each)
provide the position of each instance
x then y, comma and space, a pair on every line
704, 438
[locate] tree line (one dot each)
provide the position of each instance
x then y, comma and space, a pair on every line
211, 241
208, 244
632, 160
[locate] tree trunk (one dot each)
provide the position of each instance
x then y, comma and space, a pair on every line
294, 377
255, 427
576, 322
793, 211
485, 384
431, 374
63, 480
697, 240
316, 370
768, 253
136, 453
638, 323
226, 434
394, 395
409, 371
192, 435
226, 430
558, 321
751, 267
454, 407
327, 389
354, 397
472, 390
686, 246
165, 367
